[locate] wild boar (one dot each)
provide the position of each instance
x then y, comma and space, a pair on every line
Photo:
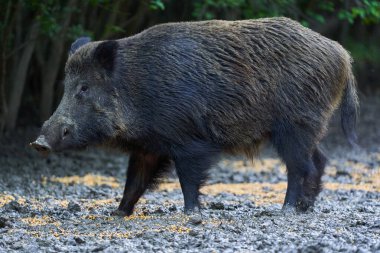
185, 93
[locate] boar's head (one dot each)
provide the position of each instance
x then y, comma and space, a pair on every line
89, 112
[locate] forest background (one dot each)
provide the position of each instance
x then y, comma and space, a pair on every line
35, 37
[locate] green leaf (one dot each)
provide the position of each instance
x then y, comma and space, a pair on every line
157, 5
358, 12
320, 18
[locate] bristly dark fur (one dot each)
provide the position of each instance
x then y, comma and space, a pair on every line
105, 55
186, 92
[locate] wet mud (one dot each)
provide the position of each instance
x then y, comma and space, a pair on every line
63, 203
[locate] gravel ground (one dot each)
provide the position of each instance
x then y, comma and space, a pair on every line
64, 202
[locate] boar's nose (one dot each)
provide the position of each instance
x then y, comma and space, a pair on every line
41, 145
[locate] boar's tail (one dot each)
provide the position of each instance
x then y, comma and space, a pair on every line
349, 110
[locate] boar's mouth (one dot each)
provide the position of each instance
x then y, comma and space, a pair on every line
41, 145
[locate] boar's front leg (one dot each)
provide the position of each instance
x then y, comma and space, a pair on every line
143, 171
192, 163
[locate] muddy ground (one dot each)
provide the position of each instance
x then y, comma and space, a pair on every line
64, 202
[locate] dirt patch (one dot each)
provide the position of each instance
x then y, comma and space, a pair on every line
89, 180
64, 202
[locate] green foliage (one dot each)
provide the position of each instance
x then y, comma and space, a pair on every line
206, 9
366, 10
364, 51
114, 29
49, 14
355, 23
98, 2
157, 5
6, 6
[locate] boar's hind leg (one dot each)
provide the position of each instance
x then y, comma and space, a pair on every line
312, 184
192, 163
295, 146
143, 170
320, 161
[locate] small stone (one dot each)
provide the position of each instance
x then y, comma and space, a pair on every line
249, 204
376, 225
342, 173
145, 211
159, 211
326, 210
359, 223
99, 248
217, 206
238, 178
3, 222
73, 207
265, 224
43, 243
365, 209
65, 214
14, 205
310, 248
265, 213
172, 208
17, 245
58, 248
375, 247
193, 233
79, 240
266, 188
343, 198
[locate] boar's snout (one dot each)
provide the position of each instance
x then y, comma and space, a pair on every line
56, 135
41, 145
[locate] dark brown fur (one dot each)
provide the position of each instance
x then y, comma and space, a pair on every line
188, 91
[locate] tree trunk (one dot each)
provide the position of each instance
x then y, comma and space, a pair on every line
49, 75
19, 79
7, 27
3, 104
135, 23
51, 68
107, 33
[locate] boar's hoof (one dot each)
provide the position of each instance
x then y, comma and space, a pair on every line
288, 210
301, 207
120, 213
305, 205
194, 216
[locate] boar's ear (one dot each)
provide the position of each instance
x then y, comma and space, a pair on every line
79, 43
105, 54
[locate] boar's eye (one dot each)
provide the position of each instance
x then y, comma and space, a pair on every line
84, 88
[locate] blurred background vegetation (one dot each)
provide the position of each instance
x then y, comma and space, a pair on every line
36, 35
